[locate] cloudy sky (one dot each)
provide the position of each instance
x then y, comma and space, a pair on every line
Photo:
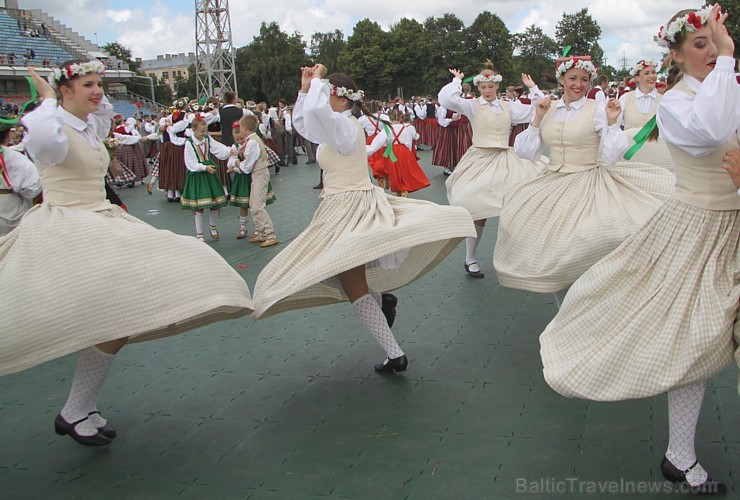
151, 27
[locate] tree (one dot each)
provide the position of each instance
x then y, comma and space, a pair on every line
269, 67
488, 38
733, 20
122, 53
582, 33
326, 48
366, 59
444, 48
407, 57
537, 53
185, 87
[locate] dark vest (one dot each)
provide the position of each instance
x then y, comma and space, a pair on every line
229, 116
431, 110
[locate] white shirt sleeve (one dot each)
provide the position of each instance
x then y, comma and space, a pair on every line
179, 126
191, 159
211, 117
219, 150
329, 127
101, 119
614, 142
701, 124
380, 141
451, 98
622, 106
522, 113
601, 98
412, 131
251, 155
528, 144
45, 141
421, 111
288, 123
442, 117
127, 139
22, 173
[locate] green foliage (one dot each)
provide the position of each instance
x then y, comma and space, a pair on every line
269, 67
367, 61
537, 54
582, 33
122, 53
443, 44
326, 47
407, 57
186, 87
489, 38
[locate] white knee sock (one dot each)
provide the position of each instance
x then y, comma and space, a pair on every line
177, 193
170, 193
92, 368
684, 406
243, 222
214, 217
368, 309
378, 297
198, 222
226, 190
471, 245
560, 296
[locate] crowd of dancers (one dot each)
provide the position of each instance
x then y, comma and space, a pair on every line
631, 220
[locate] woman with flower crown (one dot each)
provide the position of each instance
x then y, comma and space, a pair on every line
554, 227
489, 168
361, 242
658, 314
55, 267
638, 108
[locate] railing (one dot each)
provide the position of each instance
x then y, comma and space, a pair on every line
145, 102
75, 50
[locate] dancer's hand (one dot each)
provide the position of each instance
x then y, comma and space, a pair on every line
541, 107
613, 110
306, 77
320, 71
45, 91
720, 37
211, 169
456, 73
527, 81
731, 163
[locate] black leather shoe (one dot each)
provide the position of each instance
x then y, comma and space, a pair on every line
63, 427
398, 364
390, 302
107, 430
474, 274
319, 186
676, 475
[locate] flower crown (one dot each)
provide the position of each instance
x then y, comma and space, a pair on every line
487, 77
644, 64
691, 22
352, 95
577, 63
178, 103
75, 69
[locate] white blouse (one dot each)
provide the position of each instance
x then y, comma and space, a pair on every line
22, 174
314, 119
407, 138
614, 143
700, 124
451, 98
369, 125
644, 102
251, 155
46, 141
216, 149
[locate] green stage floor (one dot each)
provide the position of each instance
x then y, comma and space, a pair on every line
289, 407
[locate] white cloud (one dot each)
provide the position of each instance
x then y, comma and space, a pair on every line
118, 16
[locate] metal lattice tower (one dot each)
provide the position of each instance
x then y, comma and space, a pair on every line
214, 54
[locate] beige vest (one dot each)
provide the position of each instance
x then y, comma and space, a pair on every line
491, 129
261, 162
346, 173
633, 118
574, 145
700, 180
77, 182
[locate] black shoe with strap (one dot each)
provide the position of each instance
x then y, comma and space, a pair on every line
474, 274
107, 430
398, 364
676, 475
62, 427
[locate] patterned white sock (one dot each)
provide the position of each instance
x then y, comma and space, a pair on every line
378, 297
198, 222
170, 193
471, 246
213, 217
684, 406
226, 190
560, 296
92, 368
243, 222
368, 309
177, 193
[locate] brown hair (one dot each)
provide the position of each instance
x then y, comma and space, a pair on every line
67, 82
488, 69
198, 122
229, 97
342, 80
249, 122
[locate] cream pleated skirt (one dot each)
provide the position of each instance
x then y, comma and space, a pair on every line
652, 152
73, 278
397, 239
484, 176
656, 314
556, 226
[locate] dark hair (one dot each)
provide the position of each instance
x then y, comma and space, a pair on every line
229, 97
342, 80
67, 82
602, 79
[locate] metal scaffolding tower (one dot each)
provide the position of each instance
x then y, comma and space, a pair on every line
214, 51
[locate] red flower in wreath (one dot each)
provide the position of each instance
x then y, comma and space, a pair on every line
695, 20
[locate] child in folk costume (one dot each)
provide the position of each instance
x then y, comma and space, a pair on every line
554, 227
489, 168
404, 173
203, 188
130, 153
80, 310
373, 126
638, 108
252, 188
658, 314
19, 184
361, 242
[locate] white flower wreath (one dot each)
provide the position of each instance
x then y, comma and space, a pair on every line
67, 72
352, 95
690, 22
575, 62
644, 64
487, 77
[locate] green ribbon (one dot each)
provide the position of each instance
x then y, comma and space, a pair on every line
202, 100
566, 50
640, 138
469, 79
388, 153
34, 95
